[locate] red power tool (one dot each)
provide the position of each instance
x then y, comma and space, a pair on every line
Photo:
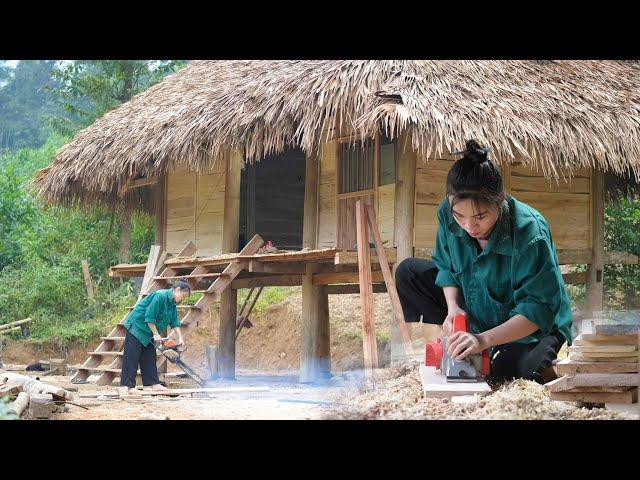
472, 369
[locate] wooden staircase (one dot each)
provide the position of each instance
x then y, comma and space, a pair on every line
112, 345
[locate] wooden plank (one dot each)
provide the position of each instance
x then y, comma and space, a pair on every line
280, 267
347, 257
593, 380
389, 282
630, 396
595, 358
595, 292
435, 385
619, 258
587, 349
127, 270
352, 289
571, 256
344, 277
178, 391
367, 314
88, 283
268, 281
152, 263
595, 339
574, 278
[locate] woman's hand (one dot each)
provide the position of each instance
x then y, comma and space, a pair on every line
447, 325
157, 339
181, 346
461, 344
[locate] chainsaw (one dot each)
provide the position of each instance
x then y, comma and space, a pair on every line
473, 368
169, 348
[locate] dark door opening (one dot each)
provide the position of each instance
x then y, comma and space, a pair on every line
272, 200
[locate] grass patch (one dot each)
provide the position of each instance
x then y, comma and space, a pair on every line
269, 297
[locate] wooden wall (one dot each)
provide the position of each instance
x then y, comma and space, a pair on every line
327, 215
195, 208
565, 204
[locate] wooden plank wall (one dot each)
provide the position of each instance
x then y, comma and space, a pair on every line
192, 196
565, 204
385, 215
327, 196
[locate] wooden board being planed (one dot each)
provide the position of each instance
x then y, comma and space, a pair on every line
568, 366
435, 385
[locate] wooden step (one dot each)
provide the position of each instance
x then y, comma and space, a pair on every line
114, 339
199, 275
179, 307
113, 354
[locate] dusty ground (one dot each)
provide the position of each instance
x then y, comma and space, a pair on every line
268, 355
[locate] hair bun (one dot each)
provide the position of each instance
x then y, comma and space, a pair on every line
475, 152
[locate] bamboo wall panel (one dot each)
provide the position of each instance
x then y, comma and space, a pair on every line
181, 203
327, 196
210, 212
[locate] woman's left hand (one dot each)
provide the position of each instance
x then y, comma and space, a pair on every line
461, 344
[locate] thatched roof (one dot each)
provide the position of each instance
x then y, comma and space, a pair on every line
548, 113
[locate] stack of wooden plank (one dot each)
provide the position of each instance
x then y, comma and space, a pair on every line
602, 366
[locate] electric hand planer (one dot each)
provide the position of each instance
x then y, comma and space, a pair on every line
472, 369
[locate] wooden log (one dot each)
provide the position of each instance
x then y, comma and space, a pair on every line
14, 324
20, 403
88, 283
34, 386
7, 331
367, 314
41, 405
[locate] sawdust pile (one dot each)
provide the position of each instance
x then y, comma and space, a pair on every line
397, 395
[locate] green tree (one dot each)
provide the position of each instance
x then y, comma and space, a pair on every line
87, 89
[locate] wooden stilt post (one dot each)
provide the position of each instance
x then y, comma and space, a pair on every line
595, 274
403, 227
228, 299
315, 349
369, 346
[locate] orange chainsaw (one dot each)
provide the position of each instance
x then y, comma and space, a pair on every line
171, 351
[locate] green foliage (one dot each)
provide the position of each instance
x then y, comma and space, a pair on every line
41, 257
5, 412
87, 89
622, 233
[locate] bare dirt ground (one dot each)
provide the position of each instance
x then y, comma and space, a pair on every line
268, 355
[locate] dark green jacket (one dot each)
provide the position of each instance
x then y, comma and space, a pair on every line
159, 308
516, 273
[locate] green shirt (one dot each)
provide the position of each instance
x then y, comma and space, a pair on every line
516, 273
158, 308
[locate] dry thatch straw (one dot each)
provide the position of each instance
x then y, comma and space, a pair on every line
549, 114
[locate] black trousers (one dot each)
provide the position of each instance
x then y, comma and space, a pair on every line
422, 300
135, 354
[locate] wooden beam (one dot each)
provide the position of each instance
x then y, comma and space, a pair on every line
351, 258
389, 282
143, 182
14, 324
87, 279
344, 277
594, 296
226, 353
287, 268
367, 314
160, 210
619, 258
152, 263
127, 270
271, 281
351, 289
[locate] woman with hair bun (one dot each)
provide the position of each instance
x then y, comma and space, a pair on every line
494, 260
150, 316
